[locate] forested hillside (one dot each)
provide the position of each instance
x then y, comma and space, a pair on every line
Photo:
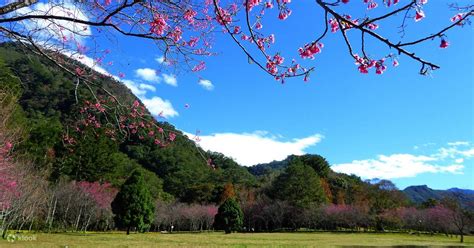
47, 96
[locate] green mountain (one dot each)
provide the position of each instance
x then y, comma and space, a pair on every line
50, 109
422, 193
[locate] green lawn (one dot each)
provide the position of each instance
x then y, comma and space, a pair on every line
216, 239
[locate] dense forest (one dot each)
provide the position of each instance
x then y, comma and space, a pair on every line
70, 185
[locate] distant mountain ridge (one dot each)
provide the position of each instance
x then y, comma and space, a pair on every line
464, 191
421, 193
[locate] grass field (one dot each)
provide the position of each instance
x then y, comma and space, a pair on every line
233, 240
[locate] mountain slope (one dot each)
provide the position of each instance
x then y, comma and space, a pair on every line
421, 193
48, 99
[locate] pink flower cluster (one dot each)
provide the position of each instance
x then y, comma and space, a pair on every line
189, 16
252, 3
158, 25
176, 34
132, 122
284, 13
371, 4
309, 50
223, 16
102, 194
199, 67
364, 64
273, 63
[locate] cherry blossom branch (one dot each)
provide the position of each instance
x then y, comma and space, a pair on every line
457, 23
249, 55
406, 7
386, 41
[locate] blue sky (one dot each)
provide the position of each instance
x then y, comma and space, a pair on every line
409, 128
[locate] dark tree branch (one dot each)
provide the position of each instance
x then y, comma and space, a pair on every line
390, 44
16, 5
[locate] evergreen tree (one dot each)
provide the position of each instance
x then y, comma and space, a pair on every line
229, 216
299, 185
133, 206
319, 164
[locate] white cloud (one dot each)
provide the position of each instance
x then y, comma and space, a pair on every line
136, 90
86, 60
147, 87
160, 59
139, 90
206, 84
148, 74
454, 152
151, 75
458, 143
170, 79
57, 29
160, 107
394, 166
258, 147
156, 105
444, 160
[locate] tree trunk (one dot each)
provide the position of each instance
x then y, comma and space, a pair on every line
78, 219
128, 230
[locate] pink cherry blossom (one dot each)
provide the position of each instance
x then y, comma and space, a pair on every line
176, 34
395, 63
223, 16
419, 15
457, 17
252, 3
172, 136
8, 146
189, 15
444, 44
309, 50
236, 29
199, 67
372, 5
159, 25
372, 26
334, 25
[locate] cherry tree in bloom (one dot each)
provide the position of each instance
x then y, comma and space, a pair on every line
102, 194
8, 180
9, 176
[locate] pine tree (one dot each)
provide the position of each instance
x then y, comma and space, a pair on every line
133, 206
229, 217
